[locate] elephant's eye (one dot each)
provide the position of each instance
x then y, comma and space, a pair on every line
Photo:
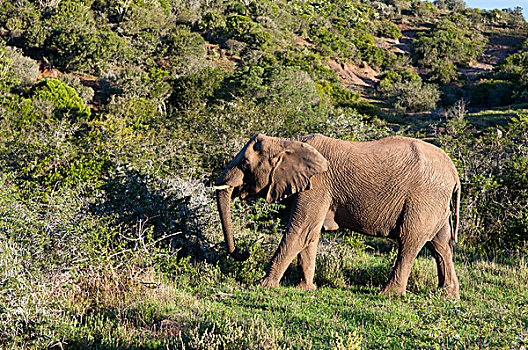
244, 164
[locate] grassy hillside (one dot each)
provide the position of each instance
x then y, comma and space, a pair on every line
116, 117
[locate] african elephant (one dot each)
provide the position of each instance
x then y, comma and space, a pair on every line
396, 187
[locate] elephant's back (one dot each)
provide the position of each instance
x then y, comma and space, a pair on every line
374, 181
397, 156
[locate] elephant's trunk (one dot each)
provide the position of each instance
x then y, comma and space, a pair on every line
223, 200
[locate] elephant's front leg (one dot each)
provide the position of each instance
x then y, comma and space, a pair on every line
307, 265
303, 232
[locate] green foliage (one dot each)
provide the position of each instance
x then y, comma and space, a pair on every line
329, 43
451, 5
443, 72
85, 92
417, 97
352, 341
370, 53
134, 84
511, 81
490, 92
422, 9
389, 30
183, 48
71, 38
19, 67
392, 77
244, 29
495, 186
65, 100
447, 42
191, 91
406, 91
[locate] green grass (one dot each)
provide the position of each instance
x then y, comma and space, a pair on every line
492, 312
204, 309
496, 116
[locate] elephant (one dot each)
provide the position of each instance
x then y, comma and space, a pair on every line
396, 187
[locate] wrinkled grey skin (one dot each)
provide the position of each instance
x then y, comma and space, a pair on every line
396, 187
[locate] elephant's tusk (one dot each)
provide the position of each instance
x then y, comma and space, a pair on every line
221, 187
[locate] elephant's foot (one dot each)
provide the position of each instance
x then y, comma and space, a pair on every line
390, 289
450, 291
267, 283
306, 286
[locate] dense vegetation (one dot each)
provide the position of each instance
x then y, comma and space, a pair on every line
116, 116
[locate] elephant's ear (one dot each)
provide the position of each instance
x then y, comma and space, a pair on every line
293, 169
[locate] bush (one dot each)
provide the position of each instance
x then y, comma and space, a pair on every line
443, 72
417, 97
490, 92
72, 40
492, 167
451, 5
369, 52
422, 9
192, 91
447, 42
66, 102
25, 69
85, 92
392, 77
406, 91
183, 49
244, 29
144, 24
330, 43
133, 83
389, 30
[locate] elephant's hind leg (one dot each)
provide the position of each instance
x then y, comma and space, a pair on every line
397, 283
307, 265
441, 248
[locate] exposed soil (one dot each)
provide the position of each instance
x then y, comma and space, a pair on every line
501, 46
353, 75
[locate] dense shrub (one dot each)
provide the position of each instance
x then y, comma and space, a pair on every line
451, 5
65, 100
193, 90
329, 43
417, 97
244, 29
447, 42
183, 49
422, 9
133, 82
144, 24
443, 72
389, 30
20, 67
492, 167
369, 52
490, 92
406, 91
510, 79
72, 39
389, 78
85, 92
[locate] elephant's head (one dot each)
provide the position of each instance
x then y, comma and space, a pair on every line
268, 167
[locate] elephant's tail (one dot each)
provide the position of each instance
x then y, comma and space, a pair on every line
455, 207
